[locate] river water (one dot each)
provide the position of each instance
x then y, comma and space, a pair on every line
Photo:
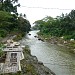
56, 58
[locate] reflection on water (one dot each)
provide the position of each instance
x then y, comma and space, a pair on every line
58, 59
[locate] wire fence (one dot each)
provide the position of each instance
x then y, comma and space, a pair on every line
46, 8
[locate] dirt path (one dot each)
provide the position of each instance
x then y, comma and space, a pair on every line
6, 38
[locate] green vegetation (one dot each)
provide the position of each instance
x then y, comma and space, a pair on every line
63, 25
18, 73
10, 21
1, 51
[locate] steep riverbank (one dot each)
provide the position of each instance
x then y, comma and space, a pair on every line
70, 44
31, 65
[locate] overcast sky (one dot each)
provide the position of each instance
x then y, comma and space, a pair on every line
43, 8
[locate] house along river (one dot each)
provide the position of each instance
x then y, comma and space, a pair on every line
57, 58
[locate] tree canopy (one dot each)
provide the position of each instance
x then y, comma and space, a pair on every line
9, 5
63, 25
12, 22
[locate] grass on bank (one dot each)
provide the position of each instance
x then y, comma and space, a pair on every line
1, 49
19, 36
69, 44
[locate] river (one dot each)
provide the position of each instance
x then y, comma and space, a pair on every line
56, 58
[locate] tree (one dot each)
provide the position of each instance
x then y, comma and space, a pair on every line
9, 19
24, 25
63, 25
7, 5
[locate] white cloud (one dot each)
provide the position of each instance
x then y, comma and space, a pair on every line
34, 14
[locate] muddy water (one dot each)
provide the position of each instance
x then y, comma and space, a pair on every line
57, 58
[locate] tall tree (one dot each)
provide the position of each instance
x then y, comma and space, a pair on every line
9, 5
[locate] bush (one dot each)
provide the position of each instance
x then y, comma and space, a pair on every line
67, 37
3, 33
1, 51
73, 36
